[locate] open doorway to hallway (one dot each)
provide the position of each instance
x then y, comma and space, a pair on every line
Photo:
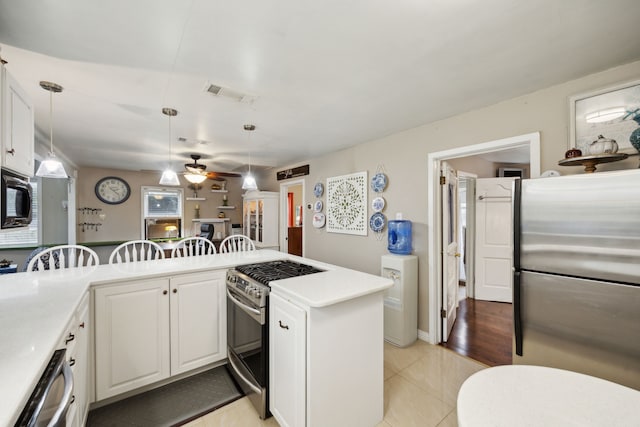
291, 224
483, 325
483, 329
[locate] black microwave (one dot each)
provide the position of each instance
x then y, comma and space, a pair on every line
16, 201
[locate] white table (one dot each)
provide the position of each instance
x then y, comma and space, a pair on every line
540, 396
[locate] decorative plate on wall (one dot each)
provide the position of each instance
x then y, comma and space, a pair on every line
377, 222
379, 182
318, 189
317, 206
318, 220
378, 204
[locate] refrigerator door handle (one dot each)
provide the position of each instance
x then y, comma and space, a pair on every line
517, 315
515, 212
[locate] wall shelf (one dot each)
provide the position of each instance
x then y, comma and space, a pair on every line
195, 198
219, 191
226, 207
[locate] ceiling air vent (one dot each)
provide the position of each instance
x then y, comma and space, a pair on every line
224, 92
214, 89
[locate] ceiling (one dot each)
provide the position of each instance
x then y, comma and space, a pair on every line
316, 76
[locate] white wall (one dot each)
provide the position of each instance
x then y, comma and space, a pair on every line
404, 157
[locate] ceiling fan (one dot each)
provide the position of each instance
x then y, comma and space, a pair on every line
199, 169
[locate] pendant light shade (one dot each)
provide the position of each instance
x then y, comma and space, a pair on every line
249, 182
51, 167
169, 177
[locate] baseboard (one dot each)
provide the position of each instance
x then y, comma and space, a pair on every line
423, 336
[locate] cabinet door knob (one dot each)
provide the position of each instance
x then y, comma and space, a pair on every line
164, 292
70, 338
12, 152
175, 290
282, 325
81, 325
72, 361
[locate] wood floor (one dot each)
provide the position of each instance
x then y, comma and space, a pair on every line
483, 331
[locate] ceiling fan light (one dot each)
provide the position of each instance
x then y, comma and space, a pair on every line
195, 178
169, 177
51, 167
249, 183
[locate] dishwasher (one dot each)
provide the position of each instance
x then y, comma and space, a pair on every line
51, 397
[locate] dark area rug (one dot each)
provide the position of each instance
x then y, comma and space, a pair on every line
172, 404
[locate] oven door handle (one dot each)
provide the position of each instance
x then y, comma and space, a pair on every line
59, 417
242, 305
245, 379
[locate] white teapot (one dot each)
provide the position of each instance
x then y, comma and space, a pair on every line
603, 145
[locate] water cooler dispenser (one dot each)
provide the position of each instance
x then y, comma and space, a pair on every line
401, 300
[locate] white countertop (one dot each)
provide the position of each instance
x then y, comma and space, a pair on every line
35, 307
330, 287
540, 396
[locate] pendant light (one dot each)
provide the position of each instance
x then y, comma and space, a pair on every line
169, 177
51, 167
249, 182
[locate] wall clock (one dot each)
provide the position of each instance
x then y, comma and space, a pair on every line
112, 190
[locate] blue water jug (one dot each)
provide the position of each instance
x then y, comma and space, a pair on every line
399, 236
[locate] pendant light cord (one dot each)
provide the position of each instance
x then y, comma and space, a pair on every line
51, 121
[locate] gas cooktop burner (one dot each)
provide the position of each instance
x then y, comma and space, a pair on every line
265, 272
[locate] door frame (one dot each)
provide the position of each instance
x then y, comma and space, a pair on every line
434, 247
284, 187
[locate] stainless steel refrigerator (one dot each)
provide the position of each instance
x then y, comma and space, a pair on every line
577, 274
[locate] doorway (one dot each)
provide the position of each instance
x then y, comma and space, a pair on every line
530, 143
292, 199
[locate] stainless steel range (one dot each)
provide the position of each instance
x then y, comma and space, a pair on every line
247, 324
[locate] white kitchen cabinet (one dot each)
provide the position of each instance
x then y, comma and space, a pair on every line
16, 126
326, 369
287, 362
198, 319
149, 330
131, 335
260, 218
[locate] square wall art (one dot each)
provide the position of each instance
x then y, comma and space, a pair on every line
347, 204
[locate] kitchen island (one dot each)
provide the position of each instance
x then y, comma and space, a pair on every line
36, 307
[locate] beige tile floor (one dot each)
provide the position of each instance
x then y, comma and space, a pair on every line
421, 384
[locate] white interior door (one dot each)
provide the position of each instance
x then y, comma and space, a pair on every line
450, 255
494, 240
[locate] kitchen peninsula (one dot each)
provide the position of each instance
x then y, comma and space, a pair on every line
36, 308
